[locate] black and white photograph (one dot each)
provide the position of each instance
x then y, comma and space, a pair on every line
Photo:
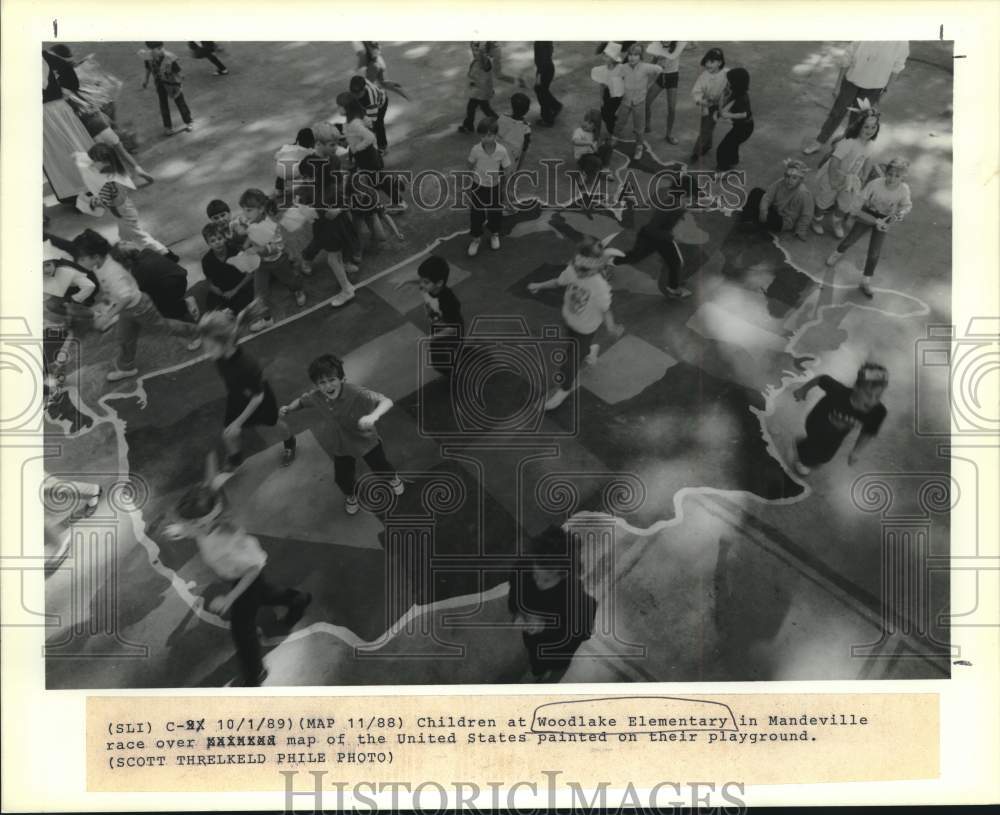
490, 362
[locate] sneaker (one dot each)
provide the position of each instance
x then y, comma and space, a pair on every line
556, 399
261, 324
287, 456
464, 129
222, 72
351, 268
117, 374
591, 358
817, 227
296, 609
351, 506
188, 127
300, 298
866, 289
812, 147
838, 229
834, 257
672, 139
801, 468
473, 247
344, 297
679, 293
494, 241
171, 131
195, 344
638, 153
397, 485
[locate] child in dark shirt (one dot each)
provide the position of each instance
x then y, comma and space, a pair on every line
514, 132
250, 402
444, 313
839, 411
550, 604
658, 236
229, 286
736, 110
352, 412
480, 87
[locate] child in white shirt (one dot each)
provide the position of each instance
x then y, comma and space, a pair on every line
489, 159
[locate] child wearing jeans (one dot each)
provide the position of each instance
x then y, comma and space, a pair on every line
708, 90
488, 159
237, 558
263, 238
134, 308
884, 202
353, 412
250, 401
166, 72
839, 411
586, 306
480, 87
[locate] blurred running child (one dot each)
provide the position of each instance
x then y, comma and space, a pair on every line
708, 90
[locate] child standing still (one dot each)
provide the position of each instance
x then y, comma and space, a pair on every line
666, 54
884, 202
250, 401
480, 87
166, 72
586, 306
736, 108
489, 160
513, 131
353, 412
707, 93
236, 557
839, 411
229, 286
638, 76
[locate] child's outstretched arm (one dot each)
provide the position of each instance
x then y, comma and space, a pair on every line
383, 406
296, 404
545, 284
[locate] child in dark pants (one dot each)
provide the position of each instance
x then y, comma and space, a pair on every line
353, 412
208, 50
480, 87
549, 602
166, 72
737, 110
489, 160
839, 411
443, 311
250, 401
237, 558
658, 236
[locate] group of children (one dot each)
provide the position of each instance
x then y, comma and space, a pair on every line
315, 208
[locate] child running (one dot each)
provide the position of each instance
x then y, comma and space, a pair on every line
250, 401
884, 202
444, 313
229, 286
353, 412
586, 306
166, 72
841, 178
839, 411
480, 87
237, 558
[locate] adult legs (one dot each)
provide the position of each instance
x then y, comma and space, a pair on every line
845, 98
